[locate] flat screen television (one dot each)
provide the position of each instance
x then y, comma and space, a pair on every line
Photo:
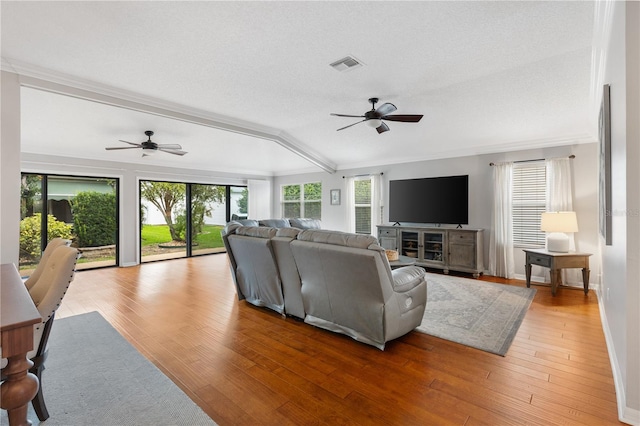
437, 200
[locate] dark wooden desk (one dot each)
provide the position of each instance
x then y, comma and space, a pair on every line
18, 314
556, 262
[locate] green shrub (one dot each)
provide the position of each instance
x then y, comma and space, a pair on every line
94, 218
30, 231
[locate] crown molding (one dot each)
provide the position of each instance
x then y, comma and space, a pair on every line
43, 79
484, 150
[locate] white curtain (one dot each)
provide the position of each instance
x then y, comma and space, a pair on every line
349, 201
559, 198
501, 263
376, 203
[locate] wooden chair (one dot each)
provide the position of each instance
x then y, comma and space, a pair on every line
47, 293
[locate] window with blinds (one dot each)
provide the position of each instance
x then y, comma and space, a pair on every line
529, 202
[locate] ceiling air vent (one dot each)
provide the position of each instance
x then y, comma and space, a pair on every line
347, 63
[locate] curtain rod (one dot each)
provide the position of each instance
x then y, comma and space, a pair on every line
530, 161
366, 174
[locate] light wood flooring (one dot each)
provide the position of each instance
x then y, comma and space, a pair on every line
250, 366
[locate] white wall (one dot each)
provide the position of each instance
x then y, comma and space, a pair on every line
10, 168
480, 191
620, 296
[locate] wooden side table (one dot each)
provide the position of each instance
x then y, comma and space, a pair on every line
556, 262
402, 261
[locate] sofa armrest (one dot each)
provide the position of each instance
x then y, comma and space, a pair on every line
407, 278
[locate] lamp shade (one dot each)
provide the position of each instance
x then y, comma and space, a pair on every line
559, 222
556, 224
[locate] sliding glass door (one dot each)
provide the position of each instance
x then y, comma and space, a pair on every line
82, 209
163, 220
185, 219
208, 214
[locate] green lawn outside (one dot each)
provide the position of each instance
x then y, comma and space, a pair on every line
158, 234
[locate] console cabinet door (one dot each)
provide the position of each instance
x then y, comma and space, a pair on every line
462, 250
388, 239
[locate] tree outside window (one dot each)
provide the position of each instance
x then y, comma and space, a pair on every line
302, 200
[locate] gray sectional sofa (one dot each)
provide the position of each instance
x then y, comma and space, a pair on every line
334, 280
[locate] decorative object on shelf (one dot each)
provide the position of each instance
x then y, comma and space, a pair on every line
391, 255
556, 224
335, 197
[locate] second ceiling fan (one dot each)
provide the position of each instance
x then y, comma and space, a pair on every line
376, 115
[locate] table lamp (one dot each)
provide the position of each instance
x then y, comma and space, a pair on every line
556, 224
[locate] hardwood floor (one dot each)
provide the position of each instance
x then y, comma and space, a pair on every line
246, 365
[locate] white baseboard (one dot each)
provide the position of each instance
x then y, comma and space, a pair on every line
535, 280
625, 414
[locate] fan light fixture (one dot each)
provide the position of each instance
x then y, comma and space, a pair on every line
148, 151
375, 123
557, 224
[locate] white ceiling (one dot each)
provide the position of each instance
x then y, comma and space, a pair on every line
488, 77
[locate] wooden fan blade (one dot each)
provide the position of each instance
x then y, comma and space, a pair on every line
386, 108
169, 146
345, 127
407, 118
111, 148
131, 143
346, 115
172, 151
382, 128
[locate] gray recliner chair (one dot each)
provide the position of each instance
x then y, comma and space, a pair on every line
253, 265
291, 286
349, 288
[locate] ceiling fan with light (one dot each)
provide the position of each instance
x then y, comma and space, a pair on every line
149, 148
375, 116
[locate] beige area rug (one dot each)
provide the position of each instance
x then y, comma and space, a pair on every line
474, 313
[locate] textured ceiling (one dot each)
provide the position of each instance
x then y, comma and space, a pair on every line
488, 76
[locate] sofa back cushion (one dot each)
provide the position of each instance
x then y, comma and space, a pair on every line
305, 223
345, 282
291, 286
275, 223
338, 238
257, 276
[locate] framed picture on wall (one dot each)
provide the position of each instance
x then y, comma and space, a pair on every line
335, 197
604, 175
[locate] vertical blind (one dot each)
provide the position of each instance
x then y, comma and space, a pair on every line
529, 202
